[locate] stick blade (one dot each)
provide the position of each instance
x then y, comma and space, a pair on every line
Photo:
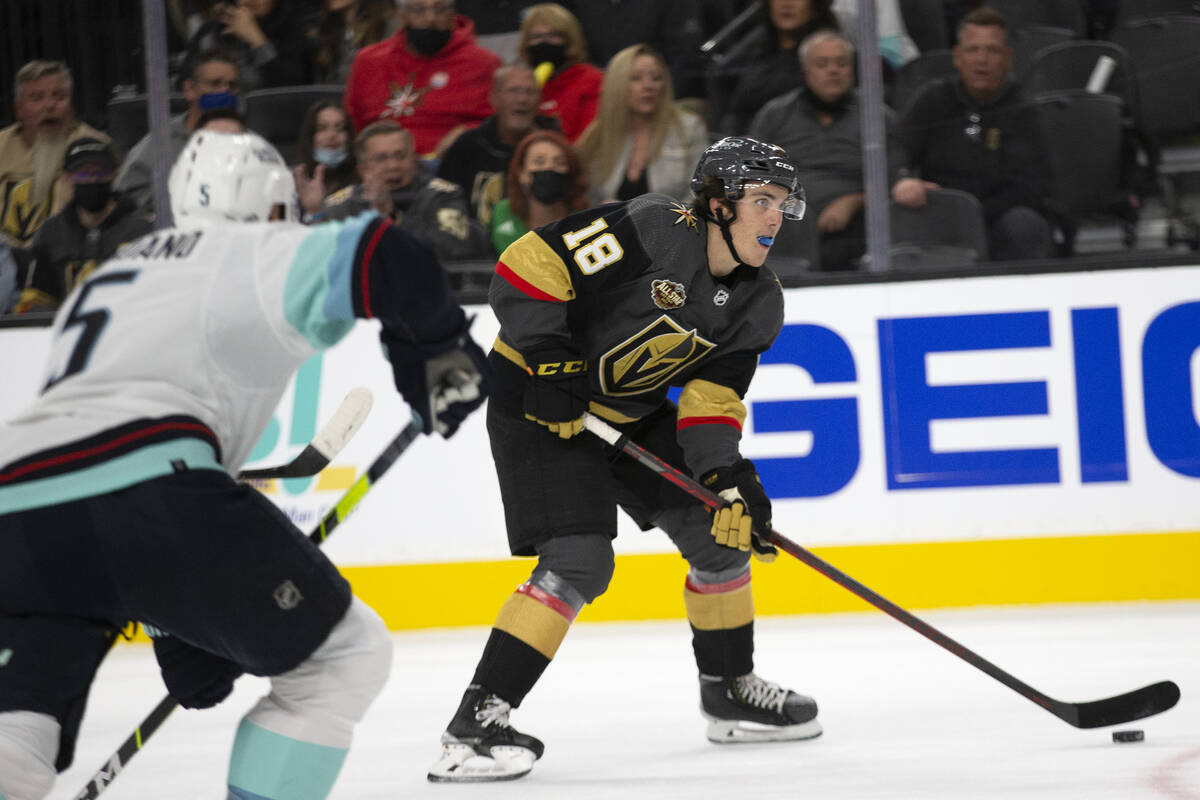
344, 423
1138, 704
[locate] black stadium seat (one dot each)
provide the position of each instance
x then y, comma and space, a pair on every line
128, 121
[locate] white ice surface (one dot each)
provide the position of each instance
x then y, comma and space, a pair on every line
618, 713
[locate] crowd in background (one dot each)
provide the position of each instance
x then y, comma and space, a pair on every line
474, 122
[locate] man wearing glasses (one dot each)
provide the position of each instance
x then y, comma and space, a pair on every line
430, 76
212, 81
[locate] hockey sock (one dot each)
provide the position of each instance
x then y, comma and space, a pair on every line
531, 625
720, 609
269, 766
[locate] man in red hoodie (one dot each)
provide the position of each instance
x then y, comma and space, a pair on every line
430, 76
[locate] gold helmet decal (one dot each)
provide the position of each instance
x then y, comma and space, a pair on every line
650, 357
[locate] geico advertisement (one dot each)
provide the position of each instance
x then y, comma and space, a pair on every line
933, 410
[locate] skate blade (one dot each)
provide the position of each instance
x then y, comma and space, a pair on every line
732, 731
461, 764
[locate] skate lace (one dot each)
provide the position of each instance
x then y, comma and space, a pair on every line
757, 692
494, 712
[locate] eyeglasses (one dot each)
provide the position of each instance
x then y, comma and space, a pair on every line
219, 85
792, 207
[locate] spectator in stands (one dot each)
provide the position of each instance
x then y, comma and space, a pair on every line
430, 75
32, 184
551, 35
672, 27
396, 183
78, 239
212, 81
818, 124
975, 131
483, 153
497, 24
545, 183
641, 140
325, 155
896, 47
266, 38
773, 67
342, 28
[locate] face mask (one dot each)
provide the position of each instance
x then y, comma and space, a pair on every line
329, 156
548, 186
218, 100
92, 196
544, 52
428, 41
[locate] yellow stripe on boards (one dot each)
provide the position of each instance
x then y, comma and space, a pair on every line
1069, 569
1075, 569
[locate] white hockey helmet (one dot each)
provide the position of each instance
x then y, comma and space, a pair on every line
232, 176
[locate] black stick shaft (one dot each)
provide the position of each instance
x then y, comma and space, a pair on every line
1138, 704
334, 517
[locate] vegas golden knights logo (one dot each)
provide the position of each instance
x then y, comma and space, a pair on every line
650, 357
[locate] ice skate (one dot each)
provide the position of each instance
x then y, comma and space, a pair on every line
480, 745
749, 709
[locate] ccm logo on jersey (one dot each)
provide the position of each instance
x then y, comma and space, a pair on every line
560, 368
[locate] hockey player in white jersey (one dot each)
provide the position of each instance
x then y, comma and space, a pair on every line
116, 496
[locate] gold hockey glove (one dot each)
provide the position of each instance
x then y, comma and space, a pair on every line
749, 507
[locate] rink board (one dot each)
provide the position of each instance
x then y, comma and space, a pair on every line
952, 442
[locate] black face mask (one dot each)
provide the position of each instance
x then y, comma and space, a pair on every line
428, 41
542, 52
548, 186
93, 196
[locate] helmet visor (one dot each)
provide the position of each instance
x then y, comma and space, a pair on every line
792, 206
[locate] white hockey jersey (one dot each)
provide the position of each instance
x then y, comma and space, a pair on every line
176, 352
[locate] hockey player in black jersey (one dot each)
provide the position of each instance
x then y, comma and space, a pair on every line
605, 310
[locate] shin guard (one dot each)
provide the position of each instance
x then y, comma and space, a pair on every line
531, 625
720, 609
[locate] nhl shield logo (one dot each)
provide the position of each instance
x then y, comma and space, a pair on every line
721, 297
651, 357
667, 294
287, 596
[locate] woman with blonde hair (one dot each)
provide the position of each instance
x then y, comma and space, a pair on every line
641, 140
551, 42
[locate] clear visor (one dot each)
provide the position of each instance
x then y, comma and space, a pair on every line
792, 206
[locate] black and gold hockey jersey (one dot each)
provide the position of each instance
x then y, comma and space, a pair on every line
627, 286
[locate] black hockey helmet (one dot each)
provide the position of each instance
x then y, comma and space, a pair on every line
739, 161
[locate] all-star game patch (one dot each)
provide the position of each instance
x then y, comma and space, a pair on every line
667, 294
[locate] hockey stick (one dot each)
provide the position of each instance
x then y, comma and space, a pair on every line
1138, 704
334, 517
328, 442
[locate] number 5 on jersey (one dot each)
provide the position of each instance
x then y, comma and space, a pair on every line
597, 254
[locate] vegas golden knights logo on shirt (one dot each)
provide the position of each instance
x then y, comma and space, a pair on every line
650, 357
